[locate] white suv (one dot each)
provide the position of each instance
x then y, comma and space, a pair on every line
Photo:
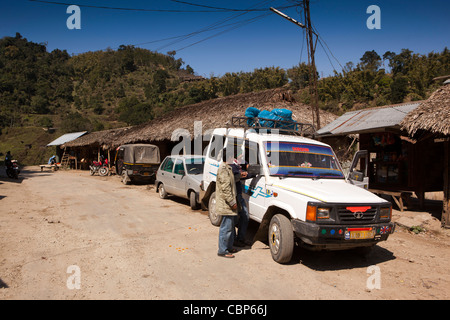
299, 192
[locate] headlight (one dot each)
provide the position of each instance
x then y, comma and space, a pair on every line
386, 213
323, 213
314, 213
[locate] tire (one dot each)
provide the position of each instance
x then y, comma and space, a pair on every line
193, 200
162, 191
215, 219
281, 238
125, 179
103, 171
92, 170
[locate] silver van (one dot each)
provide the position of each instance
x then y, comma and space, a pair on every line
181, 176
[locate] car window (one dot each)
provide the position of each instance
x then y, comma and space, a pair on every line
195, 165
179, 168
251, 154
163, 164
168, 165
217, 143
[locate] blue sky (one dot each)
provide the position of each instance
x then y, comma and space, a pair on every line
421, 26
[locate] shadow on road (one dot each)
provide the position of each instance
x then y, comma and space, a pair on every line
3, 285
340, 260
331, 260
25, 173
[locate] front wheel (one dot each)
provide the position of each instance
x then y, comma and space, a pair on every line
216, 219
193, 200
103, 171
281, 238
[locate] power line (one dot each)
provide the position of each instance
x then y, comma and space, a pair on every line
322, 39
213, 26
227, 30
215, 9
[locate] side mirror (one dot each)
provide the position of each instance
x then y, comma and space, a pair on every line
254, 169
356, 175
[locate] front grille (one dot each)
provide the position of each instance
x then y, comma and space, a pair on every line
346, 215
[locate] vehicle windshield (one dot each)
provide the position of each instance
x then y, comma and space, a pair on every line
195, 165
292, 159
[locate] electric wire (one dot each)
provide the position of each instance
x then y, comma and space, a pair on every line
211, 27
224, 9
227, 30
215, 9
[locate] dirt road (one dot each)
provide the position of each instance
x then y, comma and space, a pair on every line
62, 229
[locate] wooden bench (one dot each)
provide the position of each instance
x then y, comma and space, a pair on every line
396, 195
53, 167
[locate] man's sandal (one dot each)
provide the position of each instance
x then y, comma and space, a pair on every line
225, 255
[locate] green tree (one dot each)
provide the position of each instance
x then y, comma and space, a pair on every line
370, 61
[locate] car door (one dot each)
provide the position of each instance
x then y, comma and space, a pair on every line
254, 191
167, 175
179, 179
358, 170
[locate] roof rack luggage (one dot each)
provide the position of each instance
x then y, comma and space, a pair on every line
269, 125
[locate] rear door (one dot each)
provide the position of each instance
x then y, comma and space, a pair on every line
212, 159
179, 179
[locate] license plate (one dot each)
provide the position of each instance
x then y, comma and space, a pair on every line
359, 233
146, 173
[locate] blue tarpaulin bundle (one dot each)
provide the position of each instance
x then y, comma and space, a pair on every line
265, 118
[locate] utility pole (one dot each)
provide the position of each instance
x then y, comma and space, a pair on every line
311, 61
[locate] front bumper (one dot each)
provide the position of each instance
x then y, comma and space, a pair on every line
332, 236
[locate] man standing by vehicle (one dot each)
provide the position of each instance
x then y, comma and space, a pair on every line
242, 225
226, 205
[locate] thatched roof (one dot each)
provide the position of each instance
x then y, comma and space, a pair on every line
433, 115
105, 138
217, 113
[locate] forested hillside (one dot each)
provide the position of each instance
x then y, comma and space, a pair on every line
127, 86
115, 88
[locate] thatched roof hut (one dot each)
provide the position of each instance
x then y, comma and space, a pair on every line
217, 113
432, 116
105, 139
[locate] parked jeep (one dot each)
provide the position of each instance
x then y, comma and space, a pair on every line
299, 194
181, 176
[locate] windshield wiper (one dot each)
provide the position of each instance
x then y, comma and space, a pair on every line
327, 175
290, 174
300, 172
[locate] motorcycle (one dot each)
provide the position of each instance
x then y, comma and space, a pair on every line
100, 167
13, 170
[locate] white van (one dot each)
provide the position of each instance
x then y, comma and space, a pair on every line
299, 193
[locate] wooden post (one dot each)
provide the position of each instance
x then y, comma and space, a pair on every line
445, 220
109, 160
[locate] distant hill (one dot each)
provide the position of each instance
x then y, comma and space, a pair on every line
129, 86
